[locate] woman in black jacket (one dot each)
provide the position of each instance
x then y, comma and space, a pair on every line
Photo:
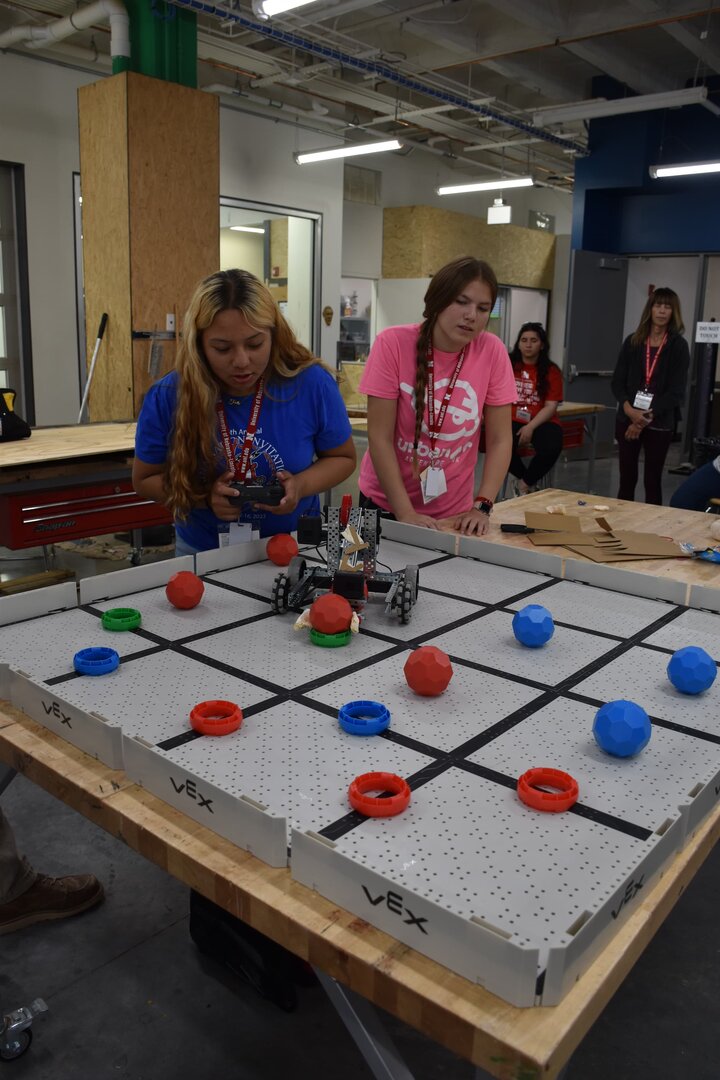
649, 383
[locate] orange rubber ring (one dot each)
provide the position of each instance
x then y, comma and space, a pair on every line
372, 806
552, 802
216, 717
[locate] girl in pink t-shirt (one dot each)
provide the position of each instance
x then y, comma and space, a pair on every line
420, 464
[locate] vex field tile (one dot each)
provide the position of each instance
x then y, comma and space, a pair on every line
472, 702
44, 649
257, 577
153, 695
640, 675
297, 762
490, 641
644, 790
397, 556
590, 608
218, 607
429, 615
271, 650
691, 628
478, 581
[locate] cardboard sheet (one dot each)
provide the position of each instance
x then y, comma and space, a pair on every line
562, 539
553, 522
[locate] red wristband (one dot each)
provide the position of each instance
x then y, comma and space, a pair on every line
553, 802
216, 717
372, 806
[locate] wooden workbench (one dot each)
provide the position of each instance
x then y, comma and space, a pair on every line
509, 1042
681, 525
68, 483
506, 1041
48, 444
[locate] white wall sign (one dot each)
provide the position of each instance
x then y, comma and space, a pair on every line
708, 332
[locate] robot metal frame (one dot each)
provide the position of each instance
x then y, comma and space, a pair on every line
351, 535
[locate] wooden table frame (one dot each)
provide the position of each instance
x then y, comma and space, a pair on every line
508, 1042
68, 483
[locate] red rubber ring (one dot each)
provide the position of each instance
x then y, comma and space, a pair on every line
216, 717
552, 802
372, 806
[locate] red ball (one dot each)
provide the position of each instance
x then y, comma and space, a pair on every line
331, 614
184, 589
281, 548
428, 671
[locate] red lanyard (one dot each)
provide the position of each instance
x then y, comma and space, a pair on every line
240, 468
435, 423
650, 369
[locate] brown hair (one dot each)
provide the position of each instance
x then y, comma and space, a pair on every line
675, 326
445, 286
193, 455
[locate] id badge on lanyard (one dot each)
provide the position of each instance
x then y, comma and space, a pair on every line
643, 398
433, 481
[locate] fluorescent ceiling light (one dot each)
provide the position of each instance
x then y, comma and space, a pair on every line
352, 150
487, 185
265, 9
246, 228
590, 110
695, 168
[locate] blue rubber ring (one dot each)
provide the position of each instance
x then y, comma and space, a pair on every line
364, 717
99, 661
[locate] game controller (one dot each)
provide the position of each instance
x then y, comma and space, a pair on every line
268, 494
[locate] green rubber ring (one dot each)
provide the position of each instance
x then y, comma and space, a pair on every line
330, 641
121, 618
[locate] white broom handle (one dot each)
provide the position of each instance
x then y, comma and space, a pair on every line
101, 331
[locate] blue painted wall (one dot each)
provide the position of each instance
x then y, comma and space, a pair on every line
618, 208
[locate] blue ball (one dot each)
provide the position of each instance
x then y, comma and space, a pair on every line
622, 728
533, 626
691, 670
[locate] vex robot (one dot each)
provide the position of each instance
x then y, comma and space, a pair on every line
351, 537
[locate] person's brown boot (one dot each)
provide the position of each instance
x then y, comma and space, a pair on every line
51, 898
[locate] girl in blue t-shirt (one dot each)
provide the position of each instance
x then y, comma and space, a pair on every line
246, 402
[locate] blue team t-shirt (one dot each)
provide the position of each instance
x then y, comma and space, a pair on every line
298, 418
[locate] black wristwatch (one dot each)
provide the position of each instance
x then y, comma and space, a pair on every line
483, 505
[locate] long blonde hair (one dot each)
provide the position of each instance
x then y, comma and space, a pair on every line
194, 448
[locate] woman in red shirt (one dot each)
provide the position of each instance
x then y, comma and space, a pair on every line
534, 420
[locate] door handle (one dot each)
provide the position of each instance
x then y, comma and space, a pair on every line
597, 374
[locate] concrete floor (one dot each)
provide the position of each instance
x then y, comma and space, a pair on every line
131, 998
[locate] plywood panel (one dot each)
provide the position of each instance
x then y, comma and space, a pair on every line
102, 113
402, 242
418, 240
279, 247
174, 192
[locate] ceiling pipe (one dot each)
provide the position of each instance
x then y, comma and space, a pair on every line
275, 106
41, 37
375, 67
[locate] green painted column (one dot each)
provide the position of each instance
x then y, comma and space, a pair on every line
164, 42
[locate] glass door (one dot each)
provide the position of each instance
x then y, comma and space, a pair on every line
281, 246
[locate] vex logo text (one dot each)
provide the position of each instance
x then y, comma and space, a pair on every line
53, 709
394, 903
190, 789
631, 890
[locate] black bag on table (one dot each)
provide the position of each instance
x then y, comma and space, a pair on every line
12, 426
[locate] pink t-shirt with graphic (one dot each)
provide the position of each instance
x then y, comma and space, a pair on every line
486, 378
